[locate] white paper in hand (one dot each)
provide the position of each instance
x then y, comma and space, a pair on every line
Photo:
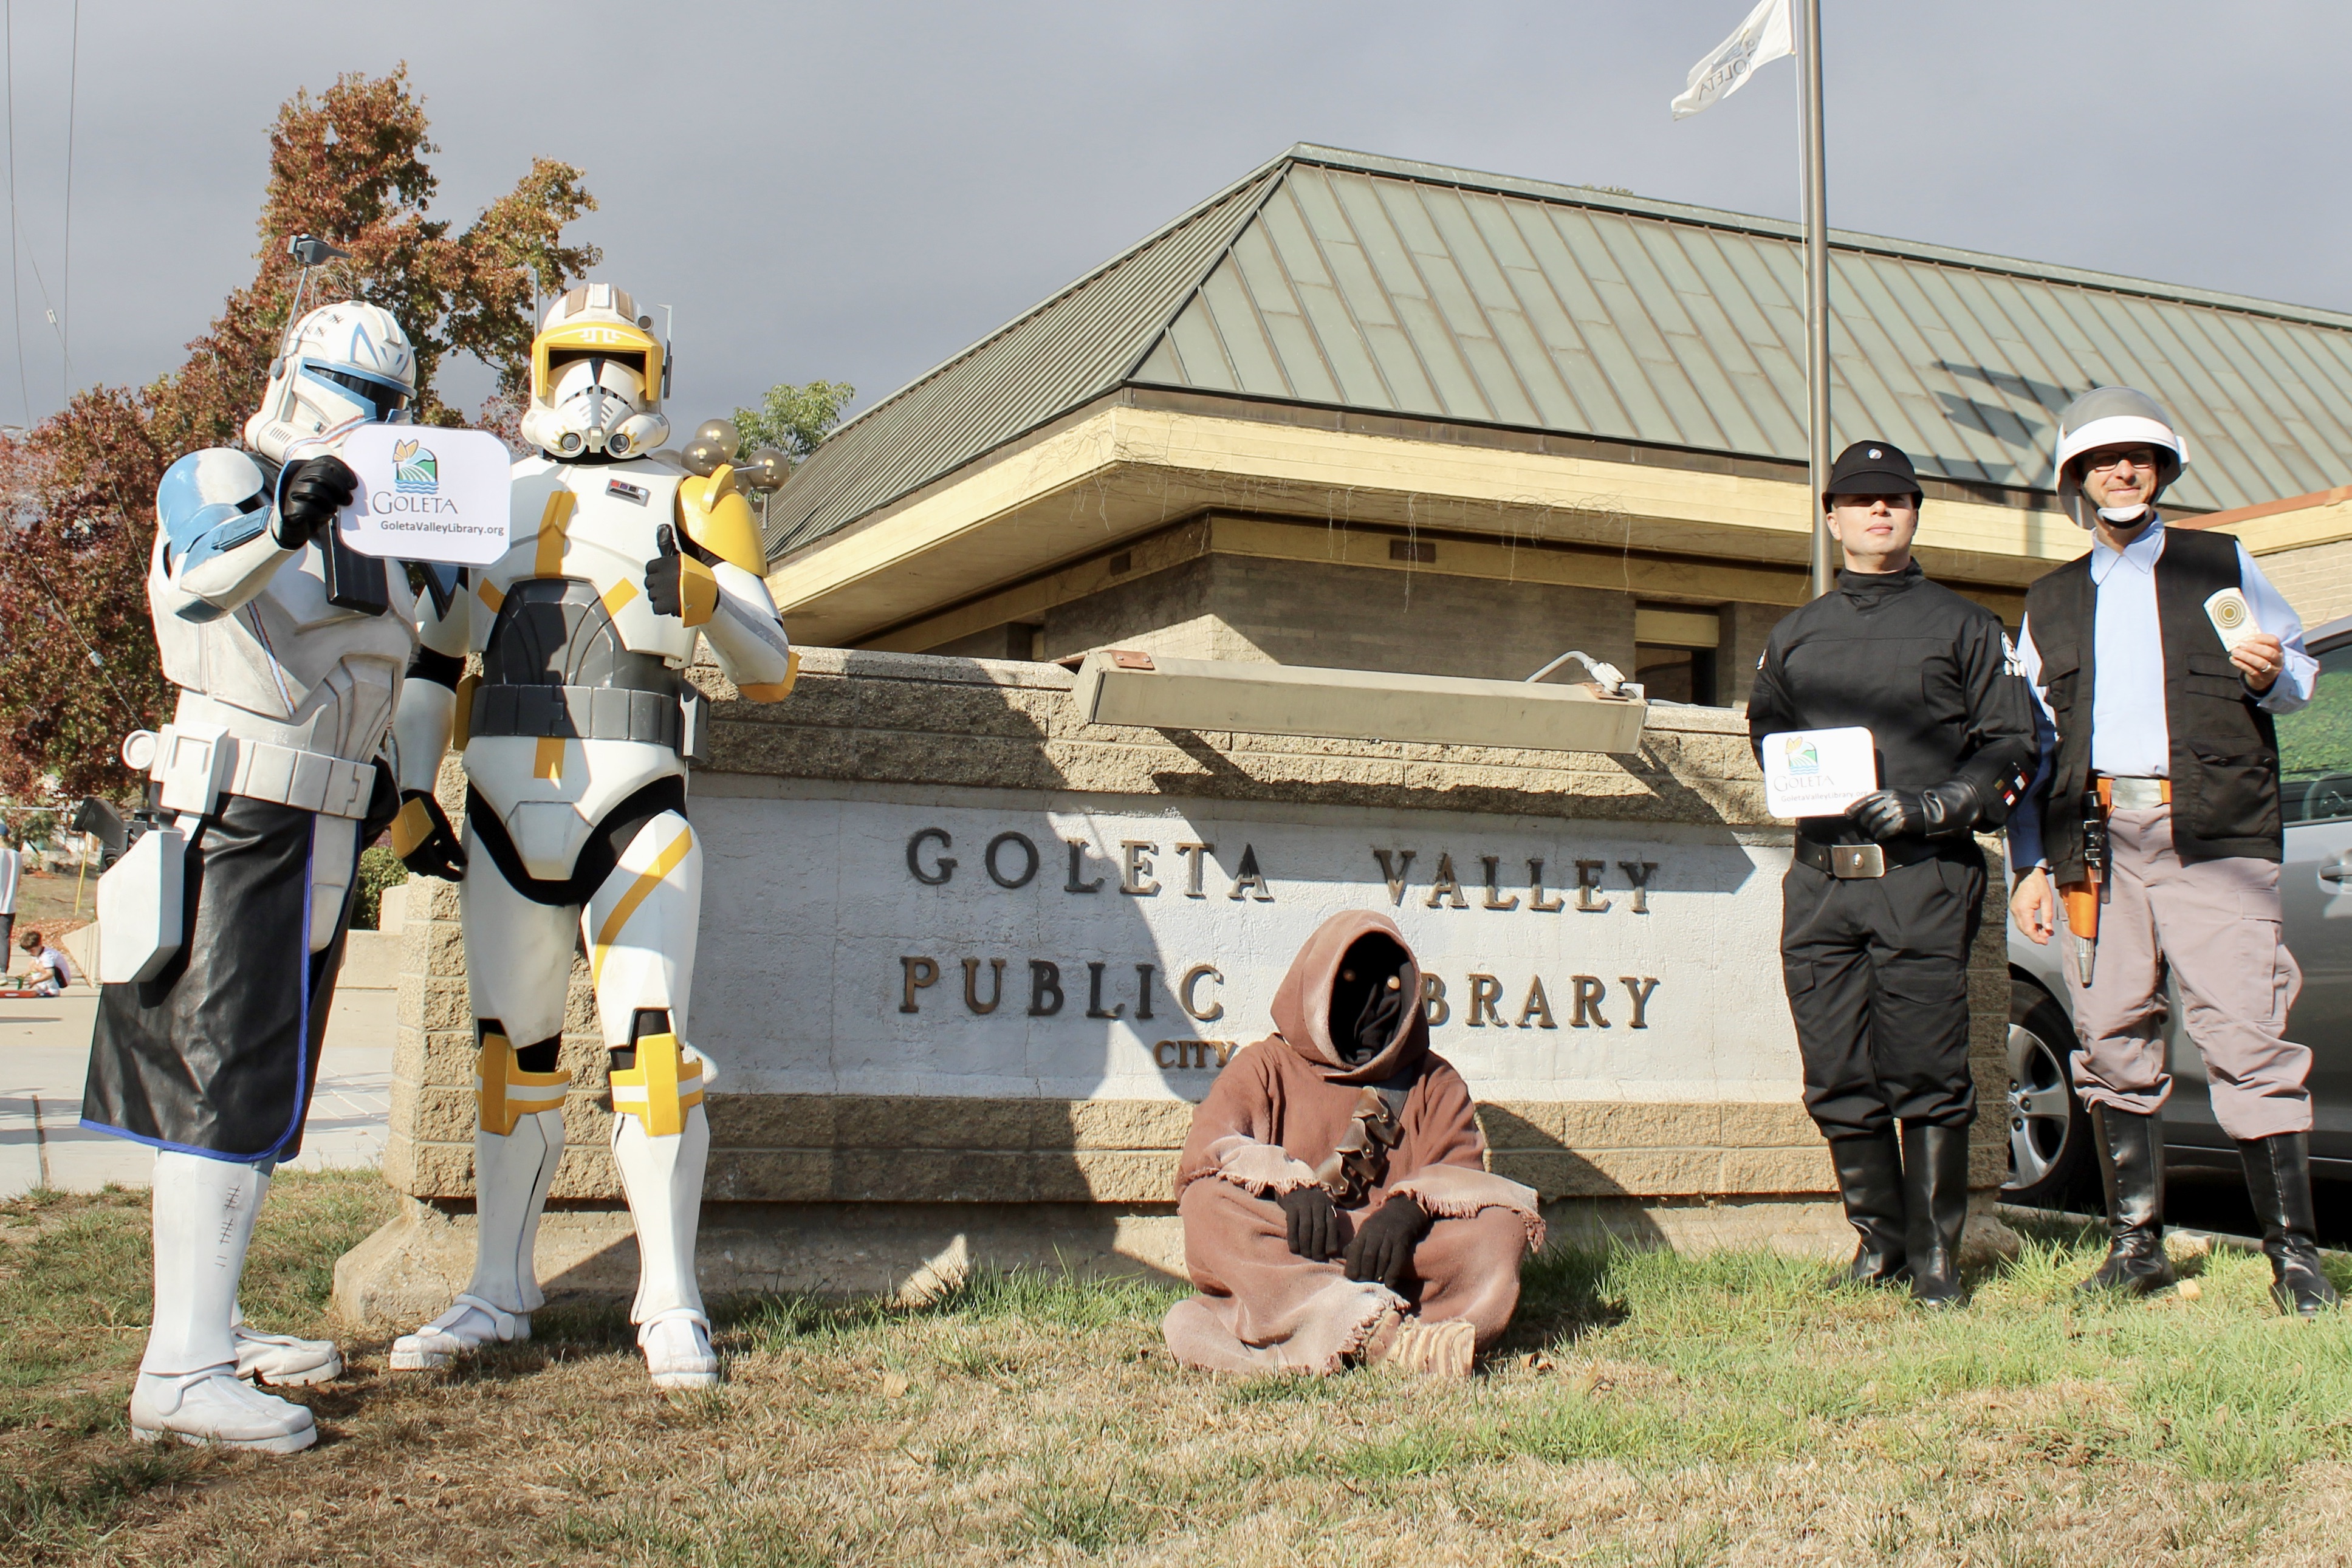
1818, 772
427, 493
2232, 617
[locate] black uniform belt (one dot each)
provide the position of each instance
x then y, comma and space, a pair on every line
578, 713
1848, 861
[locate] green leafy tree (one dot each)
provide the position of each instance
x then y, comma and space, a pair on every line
795, 418
77, 662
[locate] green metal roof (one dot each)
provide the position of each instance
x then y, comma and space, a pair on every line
1342, 279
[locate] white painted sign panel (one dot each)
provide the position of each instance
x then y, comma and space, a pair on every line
1818, 772
918, 942
427, 493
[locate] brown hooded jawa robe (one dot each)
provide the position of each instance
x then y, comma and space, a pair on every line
1281, 1109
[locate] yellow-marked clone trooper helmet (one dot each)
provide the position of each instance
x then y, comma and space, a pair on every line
344, 364
595, 379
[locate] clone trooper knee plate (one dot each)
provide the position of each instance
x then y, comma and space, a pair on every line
576, 736
288, 651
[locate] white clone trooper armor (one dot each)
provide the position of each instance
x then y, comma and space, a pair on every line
576, 737
288, 651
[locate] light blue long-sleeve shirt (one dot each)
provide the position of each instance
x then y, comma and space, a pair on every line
2130, 737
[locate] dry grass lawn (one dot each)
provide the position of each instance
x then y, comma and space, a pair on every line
1651, 1410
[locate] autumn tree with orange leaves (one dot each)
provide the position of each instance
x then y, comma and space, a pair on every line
77, 664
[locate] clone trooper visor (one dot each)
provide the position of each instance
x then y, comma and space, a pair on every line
598, 404
381, 397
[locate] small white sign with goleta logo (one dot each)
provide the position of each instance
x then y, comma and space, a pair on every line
1818, 772
427, 493
2232, 617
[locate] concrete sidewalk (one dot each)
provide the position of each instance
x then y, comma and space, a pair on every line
45, 1055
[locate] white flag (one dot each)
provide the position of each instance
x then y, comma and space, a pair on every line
1767, 35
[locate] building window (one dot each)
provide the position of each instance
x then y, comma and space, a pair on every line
1674, 653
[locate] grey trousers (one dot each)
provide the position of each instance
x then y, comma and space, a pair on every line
2216, 923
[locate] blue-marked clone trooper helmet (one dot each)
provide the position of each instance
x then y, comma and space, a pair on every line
345, 364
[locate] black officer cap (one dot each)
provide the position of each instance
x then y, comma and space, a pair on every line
1871, 468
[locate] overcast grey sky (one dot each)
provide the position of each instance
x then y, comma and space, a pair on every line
856, 191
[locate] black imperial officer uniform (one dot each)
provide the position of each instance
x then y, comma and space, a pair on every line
1881, 904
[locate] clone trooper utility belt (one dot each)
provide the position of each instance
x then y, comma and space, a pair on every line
197, 764
668, 717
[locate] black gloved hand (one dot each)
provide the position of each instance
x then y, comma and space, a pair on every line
312, 497
662, 589
423, 840
1383, 1246
1314, 1222
1946, 811
1887, 814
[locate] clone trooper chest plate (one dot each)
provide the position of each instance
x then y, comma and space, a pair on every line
595, 524
324, 678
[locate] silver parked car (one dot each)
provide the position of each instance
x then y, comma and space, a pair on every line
2051, 1163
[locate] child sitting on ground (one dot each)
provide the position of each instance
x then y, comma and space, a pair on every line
51, 972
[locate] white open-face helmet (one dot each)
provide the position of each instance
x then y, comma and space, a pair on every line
347, 364
2113, 416
595, 379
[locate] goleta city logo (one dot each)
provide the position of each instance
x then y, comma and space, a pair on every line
415, 470
1803, 756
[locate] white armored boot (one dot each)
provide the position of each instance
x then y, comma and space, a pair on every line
661, 1142
518, 1143
280, 1360
188, 1387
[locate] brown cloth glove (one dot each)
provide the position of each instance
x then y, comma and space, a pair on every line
1382, 1249
1314, 1222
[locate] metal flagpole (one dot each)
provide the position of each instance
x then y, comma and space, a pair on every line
1817, 297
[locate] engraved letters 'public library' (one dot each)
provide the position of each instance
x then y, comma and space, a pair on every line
1012, 861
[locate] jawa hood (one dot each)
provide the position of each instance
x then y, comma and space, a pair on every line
1349, 961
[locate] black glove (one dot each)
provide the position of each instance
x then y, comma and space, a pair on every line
1383, 1246
1314, 1223
662, 591
423, 838
1945, 811
312, 497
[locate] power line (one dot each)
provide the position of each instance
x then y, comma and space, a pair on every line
16, 307
65, 279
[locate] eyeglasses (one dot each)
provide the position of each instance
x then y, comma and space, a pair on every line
2142, 458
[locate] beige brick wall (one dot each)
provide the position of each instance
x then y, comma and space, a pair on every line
2316, 580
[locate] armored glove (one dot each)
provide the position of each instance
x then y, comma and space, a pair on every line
312, 497
1946, 811
680, 584
423, 840
1314, 1222
1383, 1246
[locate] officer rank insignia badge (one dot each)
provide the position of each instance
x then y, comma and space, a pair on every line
628, 492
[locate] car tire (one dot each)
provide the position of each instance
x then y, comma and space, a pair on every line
2050, 1164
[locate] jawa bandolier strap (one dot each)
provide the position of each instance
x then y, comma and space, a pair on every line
1336, 1204
576, 738
224, 923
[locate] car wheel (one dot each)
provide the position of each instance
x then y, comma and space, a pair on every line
2049, 1157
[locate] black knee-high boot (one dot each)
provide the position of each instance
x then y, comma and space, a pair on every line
2278, 1180
2131, 1164
1870, 1180
1935, 1197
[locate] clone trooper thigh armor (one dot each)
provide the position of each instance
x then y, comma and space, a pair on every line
575, 740
288, 651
